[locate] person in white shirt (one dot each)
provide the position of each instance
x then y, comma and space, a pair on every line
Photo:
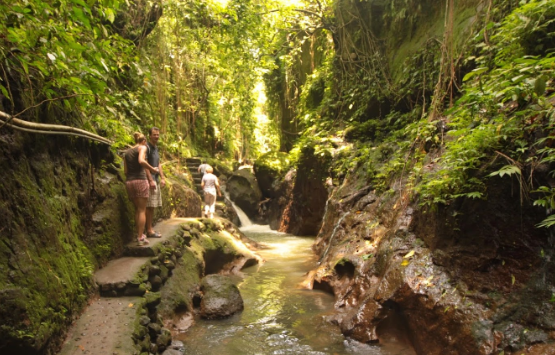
202, 168
210, 185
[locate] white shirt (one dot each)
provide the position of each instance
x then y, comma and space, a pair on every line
209, 181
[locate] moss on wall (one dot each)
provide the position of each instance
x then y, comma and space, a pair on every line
177, 294
58, 225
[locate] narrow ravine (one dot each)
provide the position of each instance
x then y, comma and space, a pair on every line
280, 316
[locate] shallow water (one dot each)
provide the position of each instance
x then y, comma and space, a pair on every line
279, 317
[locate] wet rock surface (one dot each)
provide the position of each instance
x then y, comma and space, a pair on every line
224, 209
471, 278
244, 191
221, 298
269, 169
301, 197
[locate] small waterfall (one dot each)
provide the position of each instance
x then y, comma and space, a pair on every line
332, 235
243, 218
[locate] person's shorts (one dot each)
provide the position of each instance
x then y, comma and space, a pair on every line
137, 189
209, 199
155, 197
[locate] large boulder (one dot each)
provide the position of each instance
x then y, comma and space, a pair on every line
180, 200
269, 168
301, 198
244, 191
221, 297
224, 209
278, 205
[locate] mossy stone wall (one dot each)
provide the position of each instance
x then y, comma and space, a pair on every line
63, 213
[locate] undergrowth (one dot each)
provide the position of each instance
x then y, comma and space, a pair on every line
501, 125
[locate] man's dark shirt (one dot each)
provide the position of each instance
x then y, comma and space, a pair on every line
153, 158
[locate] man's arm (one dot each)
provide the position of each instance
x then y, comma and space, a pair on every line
144, 163
162, 177
151, 181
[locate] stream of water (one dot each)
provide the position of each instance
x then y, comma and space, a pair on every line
280, 317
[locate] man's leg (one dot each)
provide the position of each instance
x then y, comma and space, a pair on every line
154, 200
149, 216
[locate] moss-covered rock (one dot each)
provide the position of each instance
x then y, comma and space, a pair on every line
214, 246
269, 169
62, 215
178, 200
221, 297
244, 191
302, 195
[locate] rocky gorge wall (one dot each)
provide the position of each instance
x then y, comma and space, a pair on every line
464, 277
470, 278
295, 199
64, 212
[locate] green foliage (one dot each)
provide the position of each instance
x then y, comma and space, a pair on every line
504, 112
403, 14
72, 62
205, 62
529, 30
275, 162
500, 113
508, 170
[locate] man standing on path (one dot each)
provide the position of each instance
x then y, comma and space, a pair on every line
155, 181
202, 167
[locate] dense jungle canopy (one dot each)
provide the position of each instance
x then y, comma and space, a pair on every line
437, 97
470, 81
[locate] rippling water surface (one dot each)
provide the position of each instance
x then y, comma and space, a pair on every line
280, 317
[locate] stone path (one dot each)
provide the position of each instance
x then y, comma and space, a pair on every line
104, 328
107, 325
192, 165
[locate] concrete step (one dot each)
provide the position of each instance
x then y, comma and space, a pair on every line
122, 325
193, 161
110, 319
142, 265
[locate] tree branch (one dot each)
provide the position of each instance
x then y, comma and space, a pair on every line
42, 128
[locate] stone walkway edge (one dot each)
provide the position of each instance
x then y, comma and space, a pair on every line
118, 322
